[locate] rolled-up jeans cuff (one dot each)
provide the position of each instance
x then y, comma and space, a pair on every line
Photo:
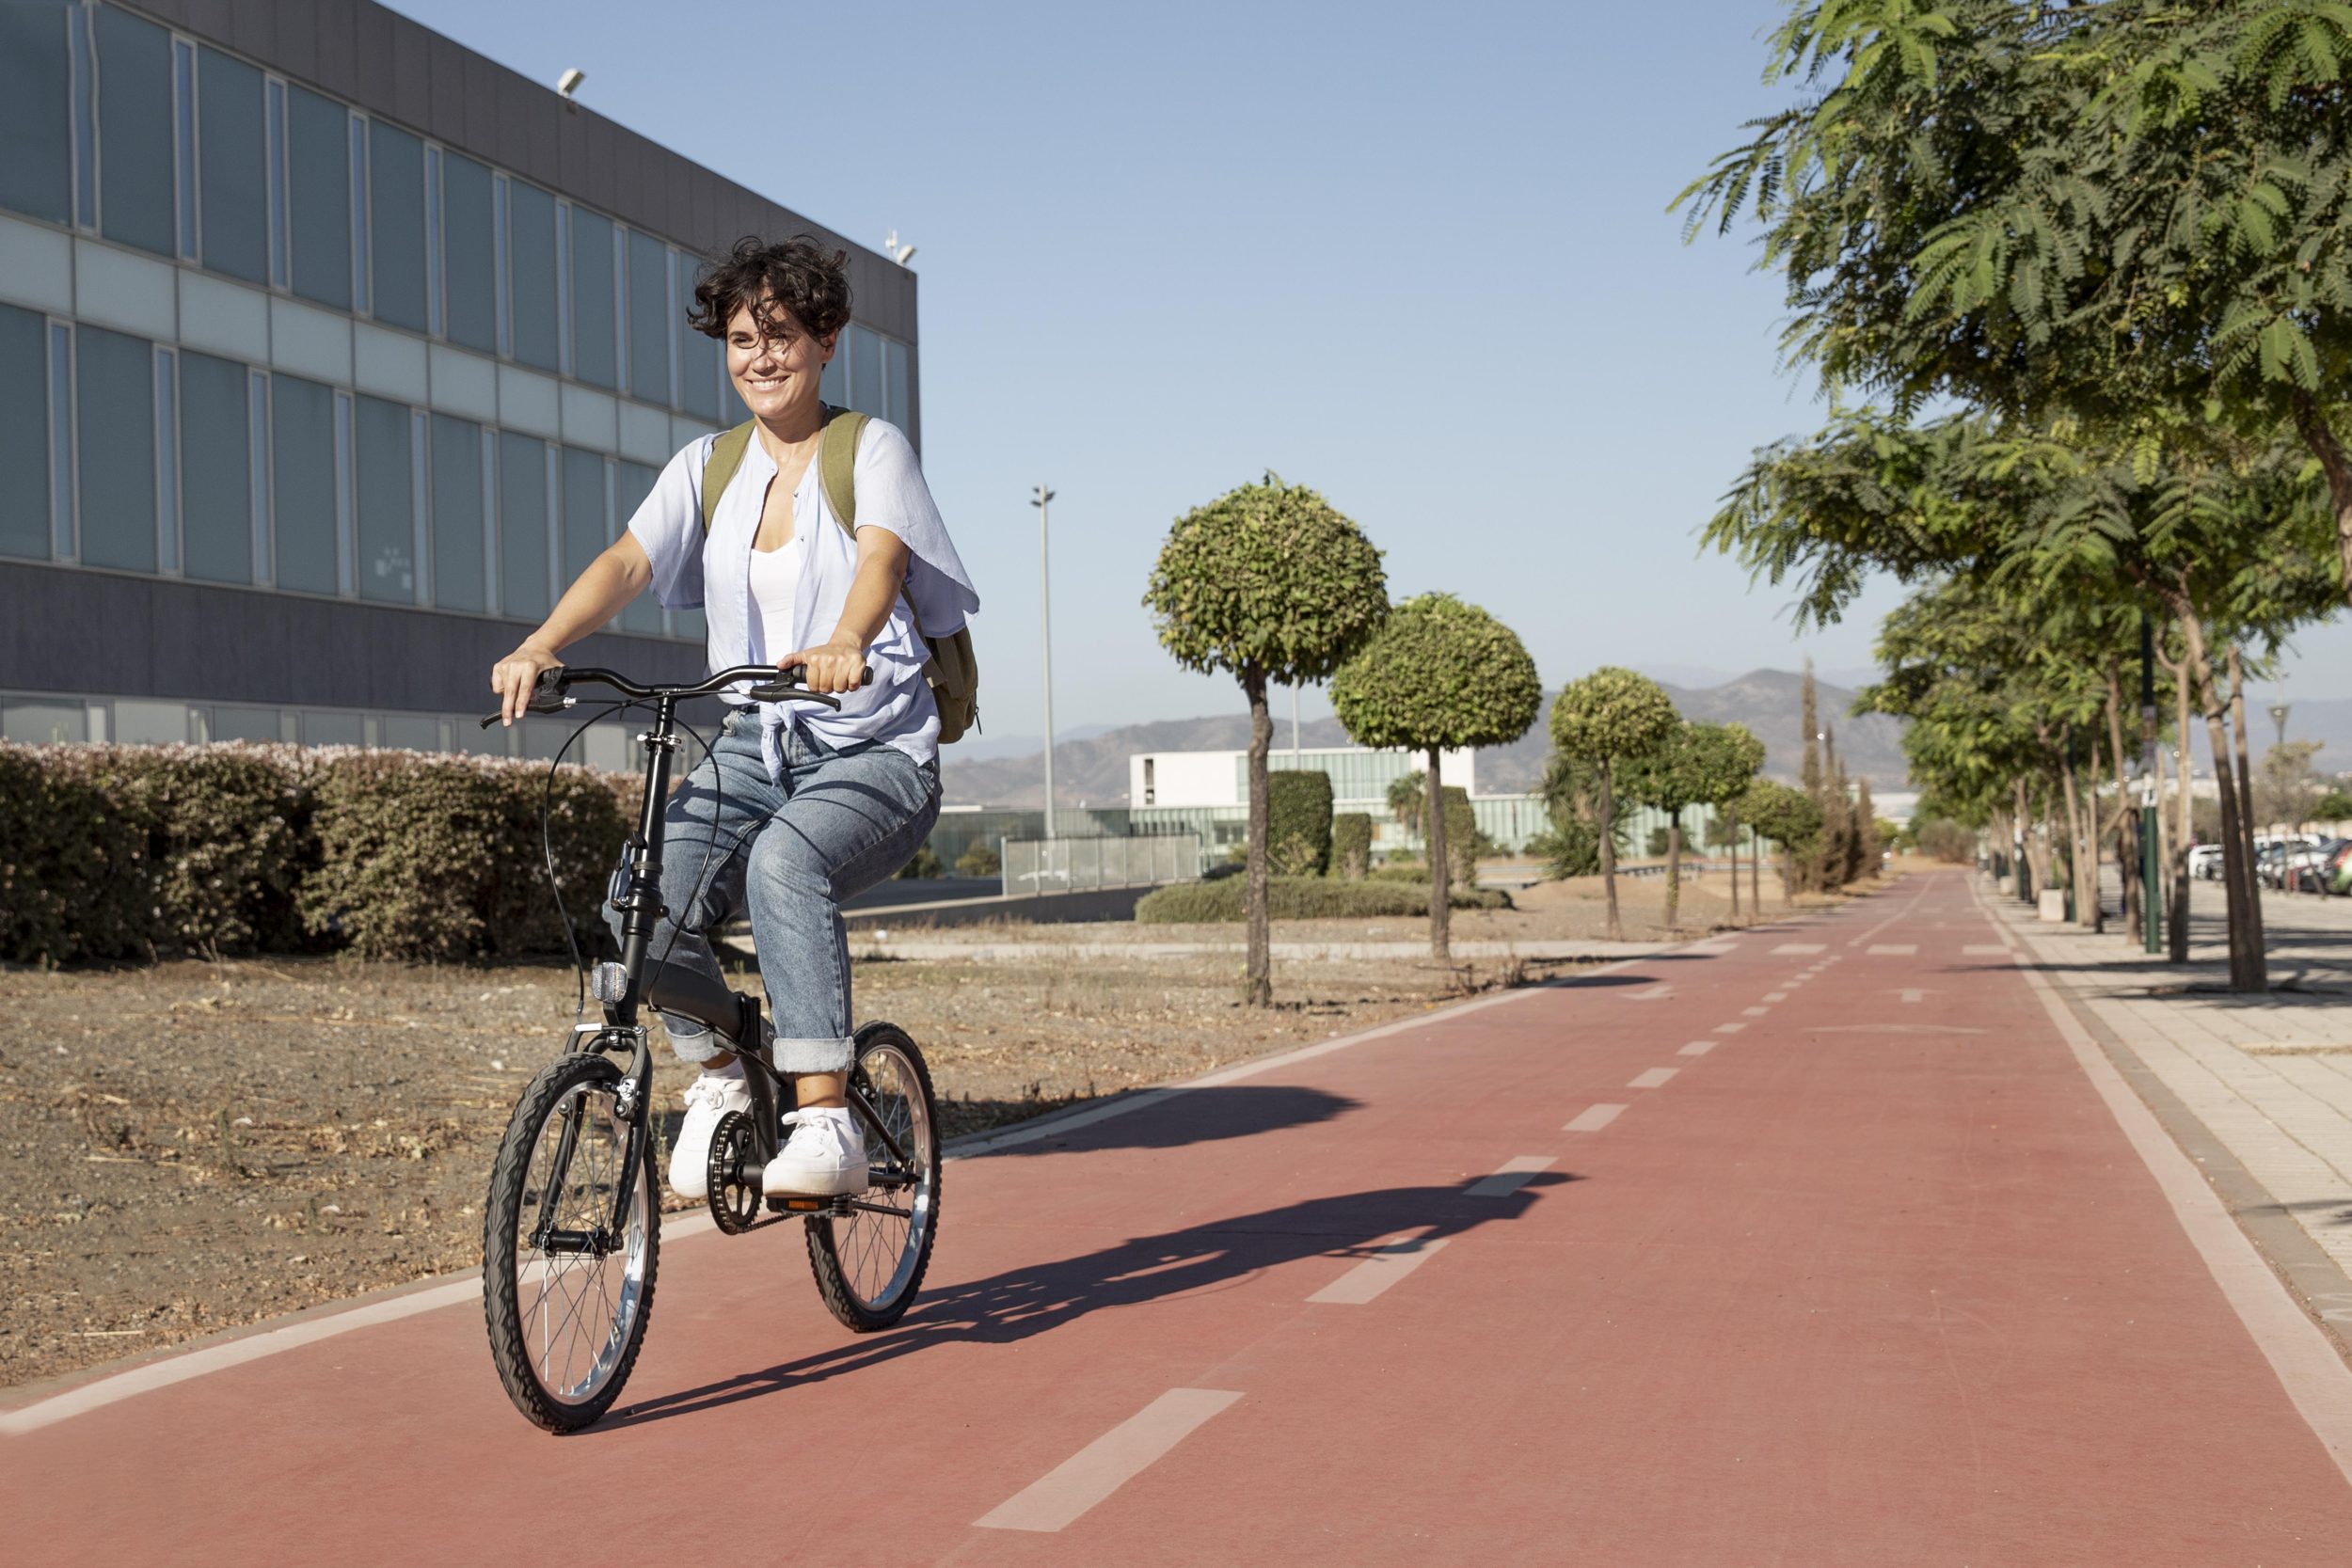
813, 1055
692, 1040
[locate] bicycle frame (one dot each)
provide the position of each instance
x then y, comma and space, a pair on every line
733, 1015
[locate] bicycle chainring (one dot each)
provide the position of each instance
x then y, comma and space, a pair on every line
735, 1194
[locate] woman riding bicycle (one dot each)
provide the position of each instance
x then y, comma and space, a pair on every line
798, 807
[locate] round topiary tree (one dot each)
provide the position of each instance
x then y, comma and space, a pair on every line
1791, 818
1268, 582
1733, 755
1608, 716
1439, 675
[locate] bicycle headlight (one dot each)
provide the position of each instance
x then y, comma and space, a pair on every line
608, 982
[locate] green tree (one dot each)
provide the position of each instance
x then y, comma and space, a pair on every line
1268, 582
1789, 817
1610, 715
979, 859
1695, 765
2136, 214
1409, 794
1439, 675
1571, 795
1733, 756
1299, 821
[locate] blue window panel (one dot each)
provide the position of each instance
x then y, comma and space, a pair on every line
135, 135
470, 253
235, 166
24, 431
532, 262
114, 384
303, 484
523, 591
594, 356
458, 541
215, 470
36, 109
318, 197
396, 225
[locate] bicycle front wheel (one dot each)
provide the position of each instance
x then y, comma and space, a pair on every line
565, 1291
869, 1260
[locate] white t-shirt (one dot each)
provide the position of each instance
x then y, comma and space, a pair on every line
775, 579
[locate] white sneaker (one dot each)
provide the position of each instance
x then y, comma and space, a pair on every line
825, 1157
707, 1098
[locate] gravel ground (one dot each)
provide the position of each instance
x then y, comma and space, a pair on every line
191, 1146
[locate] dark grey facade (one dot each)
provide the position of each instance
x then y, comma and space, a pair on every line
329, 351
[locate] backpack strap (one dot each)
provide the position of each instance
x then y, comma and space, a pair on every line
727, 456
837, 464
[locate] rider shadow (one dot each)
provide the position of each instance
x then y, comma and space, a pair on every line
1022, 1303
1191, 1115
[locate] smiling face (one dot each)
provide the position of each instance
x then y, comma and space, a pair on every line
775, 372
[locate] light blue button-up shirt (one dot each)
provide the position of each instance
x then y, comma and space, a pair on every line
714, 576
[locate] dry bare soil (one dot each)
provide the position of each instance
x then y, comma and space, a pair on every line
192, 1146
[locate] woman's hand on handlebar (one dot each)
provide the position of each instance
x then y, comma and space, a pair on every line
838, 666
516, 677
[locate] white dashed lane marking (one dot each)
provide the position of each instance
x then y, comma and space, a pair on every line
1893, 950
1108, 1463
1753, 1012
1775, 996
1729, 1028
1389, 1262
1798, 947
1511, 1177
1595, 1118
1697, 1047
1656, 1078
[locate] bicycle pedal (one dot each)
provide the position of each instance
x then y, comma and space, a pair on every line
808, 1205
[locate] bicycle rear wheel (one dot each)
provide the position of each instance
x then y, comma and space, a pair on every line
869, 1261
565, 1295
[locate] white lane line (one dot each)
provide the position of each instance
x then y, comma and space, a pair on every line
1775, 996
1594, 1118
1656, 1078
1388, 1263
2315, 1378
1108, 1463
1660, 993
1985, 950
1894, 949
1511, 1177
1799, 947
1697, 1048
1729, 1028
1913, 995
1753, 1012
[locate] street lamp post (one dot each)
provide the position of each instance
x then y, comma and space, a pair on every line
1045, 632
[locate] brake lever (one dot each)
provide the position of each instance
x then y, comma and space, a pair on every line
781, 690
538, 705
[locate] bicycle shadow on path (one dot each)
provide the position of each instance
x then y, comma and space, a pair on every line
1021, 1304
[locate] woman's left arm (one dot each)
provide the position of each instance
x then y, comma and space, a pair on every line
836, 664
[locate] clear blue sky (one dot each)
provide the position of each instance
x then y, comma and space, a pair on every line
1416, 258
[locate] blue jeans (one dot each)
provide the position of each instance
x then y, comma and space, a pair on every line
785, 853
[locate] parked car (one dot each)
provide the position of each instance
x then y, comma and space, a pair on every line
2204, 860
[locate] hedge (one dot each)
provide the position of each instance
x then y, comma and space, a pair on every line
135, 851
1351, 844
1301, 898
1299, 821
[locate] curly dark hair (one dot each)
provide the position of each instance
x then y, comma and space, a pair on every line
795, 284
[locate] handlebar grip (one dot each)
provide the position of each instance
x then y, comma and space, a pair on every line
783, 690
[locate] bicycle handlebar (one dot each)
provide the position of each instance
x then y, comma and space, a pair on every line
550, 696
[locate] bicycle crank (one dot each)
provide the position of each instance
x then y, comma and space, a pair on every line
733, 1180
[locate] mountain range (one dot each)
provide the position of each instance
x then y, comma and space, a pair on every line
1091, 768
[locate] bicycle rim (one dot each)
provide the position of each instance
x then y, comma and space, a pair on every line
878, 1249
578, 1292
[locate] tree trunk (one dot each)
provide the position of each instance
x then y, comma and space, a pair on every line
2246, 958
2184, 824
2246, 795
1258, 971
1755, 873
2336, 464
1609, 850
1440, 872
1731, 818
1674, 869
2022, 883
2081, 883
2126, 815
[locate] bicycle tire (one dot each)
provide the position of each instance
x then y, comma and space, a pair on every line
511, 1299
844, 1253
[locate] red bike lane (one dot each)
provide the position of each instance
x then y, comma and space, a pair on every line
1862, 1271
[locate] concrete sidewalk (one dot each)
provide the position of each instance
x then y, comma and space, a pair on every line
2267, 1080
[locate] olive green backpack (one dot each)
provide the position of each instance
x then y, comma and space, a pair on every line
951, 672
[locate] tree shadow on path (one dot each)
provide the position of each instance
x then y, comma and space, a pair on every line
1021, 1303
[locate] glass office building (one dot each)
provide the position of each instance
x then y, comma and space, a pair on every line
329, 351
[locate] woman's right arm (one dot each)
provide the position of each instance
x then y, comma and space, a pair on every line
600, 593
